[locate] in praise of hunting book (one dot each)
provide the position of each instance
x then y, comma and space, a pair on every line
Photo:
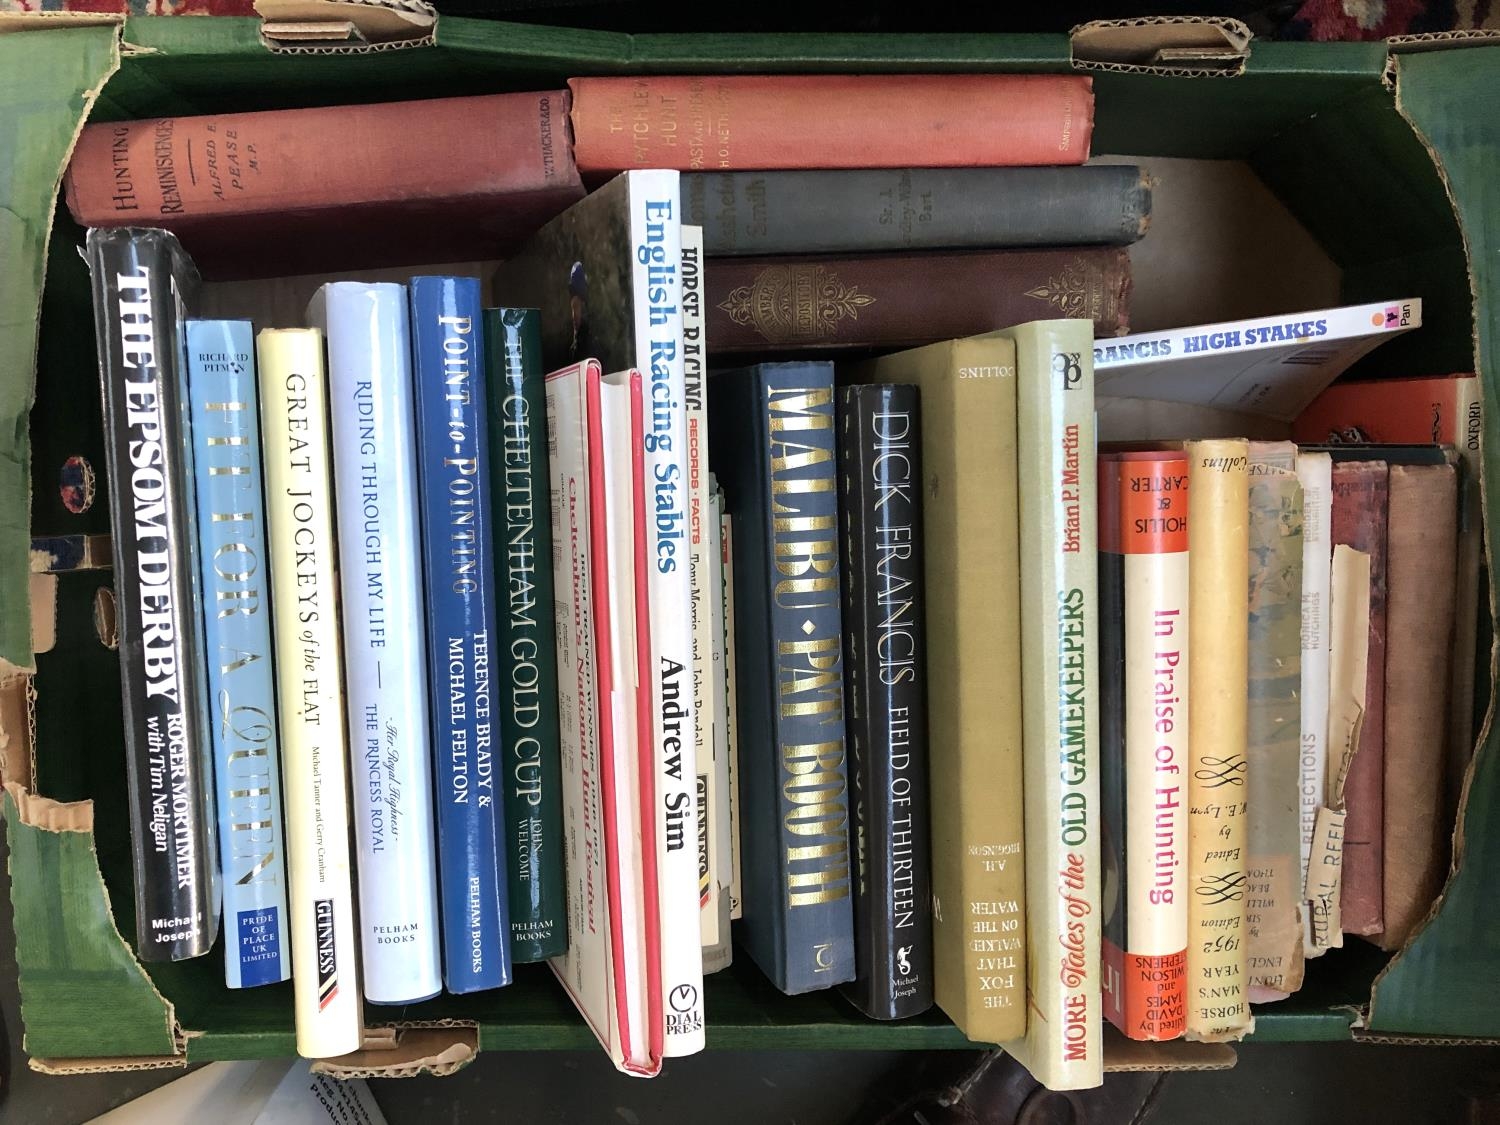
1218, 1006
972, 566
502, 163
309, 688
713, 773
612, 966
824, 211
903, 300
528, 716
453, 473
225, 421
731, 710
373, 421
1315, 473
1422, 547
1059, 625
140, 280
772, 444
885, 682
1358, 520
735, 121
1273, 875
1442, 409
606, 275
1144, 647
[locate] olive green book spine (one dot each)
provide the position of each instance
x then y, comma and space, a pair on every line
528, 715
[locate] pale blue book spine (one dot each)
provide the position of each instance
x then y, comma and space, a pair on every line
370, 403
237, 633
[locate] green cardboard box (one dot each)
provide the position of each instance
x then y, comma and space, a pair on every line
1389, 154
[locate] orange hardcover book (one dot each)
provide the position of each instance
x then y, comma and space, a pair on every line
1143, 625
736, 122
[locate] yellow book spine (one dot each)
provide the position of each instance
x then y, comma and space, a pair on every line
1218, 675
309, 689
1058, 508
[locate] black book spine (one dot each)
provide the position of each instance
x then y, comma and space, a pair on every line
139, 279
885, 680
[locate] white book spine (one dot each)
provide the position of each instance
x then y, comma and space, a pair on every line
731, 726
385, 681
656, 250
1315, 472
718, 736
586, 969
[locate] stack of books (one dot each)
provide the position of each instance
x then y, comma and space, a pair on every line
776, 546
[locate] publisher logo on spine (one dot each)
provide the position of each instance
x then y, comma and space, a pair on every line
1068, 366
685, 1015
328, 977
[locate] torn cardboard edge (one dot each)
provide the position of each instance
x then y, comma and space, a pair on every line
1169, 46
405, 1052
45, 21
1123, 1055
17, 764
345, 26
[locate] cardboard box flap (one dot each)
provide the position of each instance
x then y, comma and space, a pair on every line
404, 1052
1163, 44
1124, 1055
1443, 40
345, 25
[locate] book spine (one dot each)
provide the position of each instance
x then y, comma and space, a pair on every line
370, 396
880, 474
1273, 873
225, 423
887, 210
656, 251
309, 689
149, 464
1466, 410
1056, 476
900, 300
519, 478
1315, 472
1218, 624
1145, 504
721, 822
731, 718
454, 478
731, 122
1422, 556
1359, 521
215, 176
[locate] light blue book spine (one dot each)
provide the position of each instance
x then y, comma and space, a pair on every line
237, 634
370, 403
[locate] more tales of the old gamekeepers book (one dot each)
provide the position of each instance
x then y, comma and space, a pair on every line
309, 689
225, 419
139, 278
528, 712
1144, 507
730, 122
1056, 477
772, 446
885, 692
463, 662
389, 180
380, 567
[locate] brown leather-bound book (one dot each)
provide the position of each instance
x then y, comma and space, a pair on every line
1359, 521
1422, 544
345, 187
905, 300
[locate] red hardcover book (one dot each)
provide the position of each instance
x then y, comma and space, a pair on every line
304, 190
905, 300
740, 121
1359, 521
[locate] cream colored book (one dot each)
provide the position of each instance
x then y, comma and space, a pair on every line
974, 679
1218, 1006
1059, 627
1315, 472
309, 689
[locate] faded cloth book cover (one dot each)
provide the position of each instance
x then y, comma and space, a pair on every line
1273, 916
140, 279
772, 446
972, 583
1144, 647
1218, 676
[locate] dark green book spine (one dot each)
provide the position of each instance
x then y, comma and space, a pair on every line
528, 716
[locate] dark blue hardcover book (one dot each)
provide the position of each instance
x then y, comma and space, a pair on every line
459, 574
771, 443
